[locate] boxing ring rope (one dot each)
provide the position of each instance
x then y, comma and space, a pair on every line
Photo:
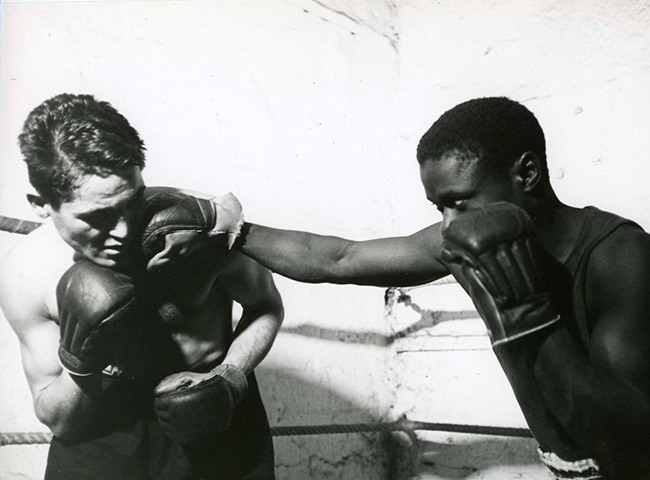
17, 225
35, 438
20, 226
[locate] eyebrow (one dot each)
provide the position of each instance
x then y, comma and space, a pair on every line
451, 195
93, 213
99, 211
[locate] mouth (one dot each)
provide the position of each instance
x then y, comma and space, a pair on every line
113, 252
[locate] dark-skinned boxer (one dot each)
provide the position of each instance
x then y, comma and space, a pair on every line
563, 291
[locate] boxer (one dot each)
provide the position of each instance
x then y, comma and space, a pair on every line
102, 339
562, 290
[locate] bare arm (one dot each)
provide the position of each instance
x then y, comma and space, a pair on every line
252, 286
62, 402
602, 397
312, 258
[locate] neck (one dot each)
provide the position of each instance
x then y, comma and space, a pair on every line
542, 206
549, 215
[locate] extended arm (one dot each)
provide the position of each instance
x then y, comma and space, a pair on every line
312, 258
178, 226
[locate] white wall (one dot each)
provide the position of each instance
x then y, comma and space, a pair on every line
581, 66
287, 104
310, 112
583, 69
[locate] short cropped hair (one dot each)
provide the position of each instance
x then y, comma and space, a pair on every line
71, 135
495, 130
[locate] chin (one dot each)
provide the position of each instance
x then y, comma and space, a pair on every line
103, 261
101, 258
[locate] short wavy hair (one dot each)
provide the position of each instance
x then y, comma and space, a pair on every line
71, 135
495, 130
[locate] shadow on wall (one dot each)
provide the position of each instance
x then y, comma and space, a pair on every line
294, 401
429, 318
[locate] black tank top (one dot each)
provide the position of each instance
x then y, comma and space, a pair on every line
596, 226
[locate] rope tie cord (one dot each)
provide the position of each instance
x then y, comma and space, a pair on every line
34, 438
24, 438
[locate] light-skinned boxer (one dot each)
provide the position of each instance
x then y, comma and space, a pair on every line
138, 374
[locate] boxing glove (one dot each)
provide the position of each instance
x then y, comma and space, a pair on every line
176, 223
192, 406
491, 252
96, 305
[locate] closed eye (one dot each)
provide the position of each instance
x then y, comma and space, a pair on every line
136, 198
459, 205
98, 219
451, 204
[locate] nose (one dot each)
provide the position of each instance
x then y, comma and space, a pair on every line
121, 228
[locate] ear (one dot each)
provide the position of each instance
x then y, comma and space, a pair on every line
40, 206
527, 171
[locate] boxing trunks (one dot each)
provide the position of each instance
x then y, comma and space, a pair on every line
127, 443
585, 469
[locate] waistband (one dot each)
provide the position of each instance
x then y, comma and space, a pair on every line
585, 469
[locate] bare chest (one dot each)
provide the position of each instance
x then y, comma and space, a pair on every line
194, 312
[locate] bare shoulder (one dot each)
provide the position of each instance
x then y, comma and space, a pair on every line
246, 280
29, 273
236, 263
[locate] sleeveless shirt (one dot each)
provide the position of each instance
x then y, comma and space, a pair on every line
596, 226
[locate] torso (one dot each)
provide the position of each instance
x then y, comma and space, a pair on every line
576, 233
193, 315
569, 241
188, 304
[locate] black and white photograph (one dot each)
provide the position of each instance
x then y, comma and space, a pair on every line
325, 239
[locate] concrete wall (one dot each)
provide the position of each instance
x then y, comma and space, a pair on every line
582, 68
287, 104
447, 373
310, 112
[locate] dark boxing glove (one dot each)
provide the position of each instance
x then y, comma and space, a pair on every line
96, 305
491, 252
192, 406
175, 223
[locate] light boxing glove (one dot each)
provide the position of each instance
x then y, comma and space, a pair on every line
96, 309
193, 406
491, 252
176, 223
